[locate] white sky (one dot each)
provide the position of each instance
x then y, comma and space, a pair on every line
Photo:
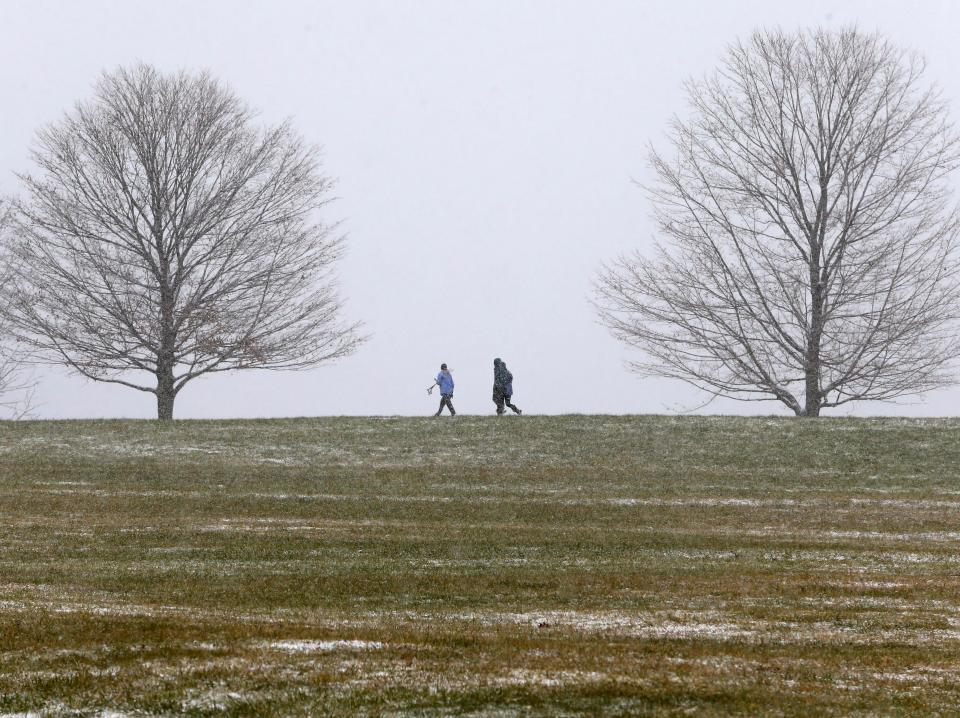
484, 152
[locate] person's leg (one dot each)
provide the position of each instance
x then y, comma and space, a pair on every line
440, 409
448, 400
498, 400
507, 402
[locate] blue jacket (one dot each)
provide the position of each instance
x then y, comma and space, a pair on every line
445, 380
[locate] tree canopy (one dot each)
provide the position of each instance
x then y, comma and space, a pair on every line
808, 249
166, 235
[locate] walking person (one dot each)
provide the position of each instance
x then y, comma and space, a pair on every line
445, 381
502, 387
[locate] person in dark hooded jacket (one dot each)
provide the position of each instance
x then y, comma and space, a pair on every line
502, 387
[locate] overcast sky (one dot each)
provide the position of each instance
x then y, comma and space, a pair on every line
485, 153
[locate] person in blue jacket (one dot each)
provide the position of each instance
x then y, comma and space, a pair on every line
445, 381
502, 387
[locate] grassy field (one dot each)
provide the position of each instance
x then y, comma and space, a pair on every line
534, 566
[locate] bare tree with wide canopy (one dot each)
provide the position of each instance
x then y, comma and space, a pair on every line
811, 234
166, 237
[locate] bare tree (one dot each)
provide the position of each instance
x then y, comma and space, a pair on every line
167, 237
812, 237
17, 389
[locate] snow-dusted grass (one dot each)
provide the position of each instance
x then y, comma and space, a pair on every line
524, 566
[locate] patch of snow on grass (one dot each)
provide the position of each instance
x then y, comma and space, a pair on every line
216, 699
105, 713
523, 677
695, 501
62, 483
708, 625
294, 646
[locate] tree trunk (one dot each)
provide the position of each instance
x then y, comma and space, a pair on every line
812, 409
811, 369
811, 400
165, 405
165, 359
165, 391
